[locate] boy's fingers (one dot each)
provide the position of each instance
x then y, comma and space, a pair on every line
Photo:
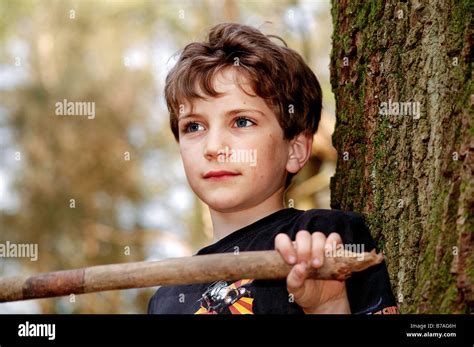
284, 245
333, 240
303, 246
317, 249
296, 278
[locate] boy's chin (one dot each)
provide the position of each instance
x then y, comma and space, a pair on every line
224, 203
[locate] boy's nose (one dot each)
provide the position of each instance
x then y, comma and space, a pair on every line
214, 144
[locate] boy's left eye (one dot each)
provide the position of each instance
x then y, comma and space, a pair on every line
243, 122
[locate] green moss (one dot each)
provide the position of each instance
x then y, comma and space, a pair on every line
442, 289
362, 14
346, 43
376, 9
380, 244
459, 21
378, 165
470, 268
335, 11
449, 298
342, 116
425, 271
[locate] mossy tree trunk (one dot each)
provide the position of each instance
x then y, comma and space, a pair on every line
408, 170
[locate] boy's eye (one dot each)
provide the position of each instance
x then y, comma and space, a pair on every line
192, 127
243, 122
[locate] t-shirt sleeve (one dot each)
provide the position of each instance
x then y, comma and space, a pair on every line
369, 291
152, 303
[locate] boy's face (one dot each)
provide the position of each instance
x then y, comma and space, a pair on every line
236, 133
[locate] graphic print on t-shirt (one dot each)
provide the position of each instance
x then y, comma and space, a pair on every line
220, 297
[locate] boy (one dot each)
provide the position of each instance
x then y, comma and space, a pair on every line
241, 93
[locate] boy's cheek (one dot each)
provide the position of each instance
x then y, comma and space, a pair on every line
189, 157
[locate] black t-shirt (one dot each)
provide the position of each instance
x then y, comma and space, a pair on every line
368, 291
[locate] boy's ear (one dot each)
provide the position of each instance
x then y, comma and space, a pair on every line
299, 152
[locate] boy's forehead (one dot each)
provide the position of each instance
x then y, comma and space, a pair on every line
235, 89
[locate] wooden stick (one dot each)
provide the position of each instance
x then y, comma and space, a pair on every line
176, 271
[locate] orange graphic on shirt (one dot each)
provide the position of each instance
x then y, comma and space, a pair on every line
388, 310
221, 297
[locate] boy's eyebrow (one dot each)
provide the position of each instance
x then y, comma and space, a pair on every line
228, 113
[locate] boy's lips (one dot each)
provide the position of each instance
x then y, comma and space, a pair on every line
220, 175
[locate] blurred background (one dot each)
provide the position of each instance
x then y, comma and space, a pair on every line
112, 189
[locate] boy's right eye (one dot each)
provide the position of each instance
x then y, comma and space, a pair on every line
192, 127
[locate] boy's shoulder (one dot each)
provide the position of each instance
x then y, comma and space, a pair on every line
350, 225
260, 235
332, 214
329, 215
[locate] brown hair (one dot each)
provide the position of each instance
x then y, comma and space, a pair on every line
277, 74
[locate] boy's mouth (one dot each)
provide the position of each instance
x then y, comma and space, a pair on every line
220, 175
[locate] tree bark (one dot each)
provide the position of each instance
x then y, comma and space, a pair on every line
408, 172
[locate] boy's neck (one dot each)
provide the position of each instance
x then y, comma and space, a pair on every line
225, 223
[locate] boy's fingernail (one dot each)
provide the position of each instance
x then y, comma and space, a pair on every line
316, 262
291, 259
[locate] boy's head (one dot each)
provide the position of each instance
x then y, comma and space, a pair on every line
239, 102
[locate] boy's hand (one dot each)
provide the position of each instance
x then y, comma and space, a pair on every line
314, 296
